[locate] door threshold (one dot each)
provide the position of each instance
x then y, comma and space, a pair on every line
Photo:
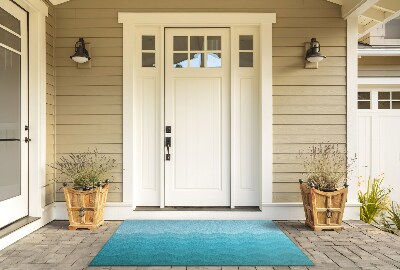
9, 229
201, 208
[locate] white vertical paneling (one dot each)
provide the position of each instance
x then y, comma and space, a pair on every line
364, 147
148, 119
246, 154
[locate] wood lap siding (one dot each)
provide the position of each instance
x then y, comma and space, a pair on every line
50, 105
309, 104
379, 66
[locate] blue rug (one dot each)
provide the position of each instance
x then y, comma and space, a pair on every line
199, 243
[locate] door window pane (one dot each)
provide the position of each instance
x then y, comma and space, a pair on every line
214, 60
148, 43
10, 21
396, 95
246, 42
214, 43
10, 40
383, 105
364, 95
384, 95
364, 105
180, 60
396, 105
10, 123
180, 43
197, 60
196, 43
245, 59
148, 59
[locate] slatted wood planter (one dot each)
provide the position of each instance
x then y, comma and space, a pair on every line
323, 210
86, 208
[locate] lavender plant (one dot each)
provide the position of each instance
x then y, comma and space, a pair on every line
85, 169
326, 167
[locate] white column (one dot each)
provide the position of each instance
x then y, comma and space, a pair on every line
352, 88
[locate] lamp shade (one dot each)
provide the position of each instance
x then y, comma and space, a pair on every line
81, 55
313, 54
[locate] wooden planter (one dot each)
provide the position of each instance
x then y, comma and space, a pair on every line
86, 208
323, 210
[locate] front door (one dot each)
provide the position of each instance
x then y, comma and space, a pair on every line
197, 117
13, 113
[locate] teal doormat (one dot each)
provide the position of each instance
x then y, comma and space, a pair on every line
199, 243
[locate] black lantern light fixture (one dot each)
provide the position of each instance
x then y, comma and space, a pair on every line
313, 54
81, 54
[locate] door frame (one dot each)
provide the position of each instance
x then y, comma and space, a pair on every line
131, 118
37, 13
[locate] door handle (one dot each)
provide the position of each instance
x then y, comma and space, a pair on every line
27, 139
168, 145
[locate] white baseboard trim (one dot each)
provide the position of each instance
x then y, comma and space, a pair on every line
47, 216
270, 211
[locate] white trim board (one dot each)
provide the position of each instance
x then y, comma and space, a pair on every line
270, 211
132, 171
378, 80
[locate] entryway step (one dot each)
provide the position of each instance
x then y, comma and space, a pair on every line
16, 225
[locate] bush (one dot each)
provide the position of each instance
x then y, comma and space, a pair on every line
393, 214
374, 200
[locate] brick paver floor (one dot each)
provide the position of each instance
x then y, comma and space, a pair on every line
358, 246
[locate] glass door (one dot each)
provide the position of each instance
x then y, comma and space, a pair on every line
13, 113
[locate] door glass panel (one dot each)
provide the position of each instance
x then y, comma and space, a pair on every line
214, 43
196, 43
364, 95
9, 21
364, 105
10, 123
214, 60
245, 59
396, 95
197, 60
148, 59
10, 40
396, 105
384, 95
383, 105
180, 43
148, 43
180, 60
246, 42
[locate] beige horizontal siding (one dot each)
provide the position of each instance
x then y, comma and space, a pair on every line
379, 66
309, 104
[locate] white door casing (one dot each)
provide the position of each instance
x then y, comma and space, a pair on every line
197, 107
248, 85
16, 207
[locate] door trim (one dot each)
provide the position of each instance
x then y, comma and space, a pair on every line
131, 118
37, 12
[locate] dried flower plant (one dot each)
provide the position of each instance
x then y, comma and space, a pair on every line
326, 167
85, 169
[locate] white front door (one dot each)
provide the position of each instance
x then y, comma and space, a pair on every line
379, 133
197, 110
13, 113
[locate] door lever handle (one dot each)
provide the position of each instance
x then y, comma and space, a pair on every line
168, 145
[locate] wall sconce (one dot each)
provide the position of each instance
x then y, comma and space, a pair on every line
81, 54
313, 55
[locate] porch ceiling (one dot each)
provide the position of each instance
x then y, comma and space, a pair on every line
371, 13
